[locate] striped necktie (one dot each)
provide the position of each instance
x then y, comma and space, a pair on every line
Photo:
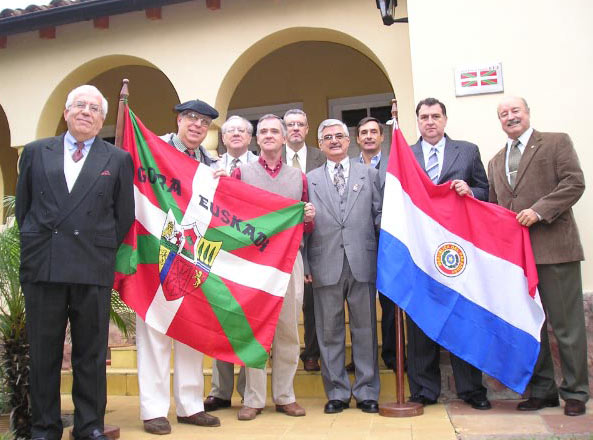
514, 159
432, 166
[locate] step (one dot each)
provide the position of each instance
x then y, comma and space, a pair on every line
125, 357
124, 382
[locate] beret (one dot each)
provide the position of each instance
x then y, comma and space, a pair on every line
197, 106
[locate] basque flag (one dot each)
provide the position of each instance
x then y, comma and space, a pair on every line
462, 269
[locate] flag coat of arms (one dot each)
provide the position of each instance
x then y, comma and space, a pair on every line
462, 269
208, 260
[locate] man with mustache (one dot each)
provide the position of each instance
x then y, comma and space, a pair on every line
74, 206
154, 347
538, 176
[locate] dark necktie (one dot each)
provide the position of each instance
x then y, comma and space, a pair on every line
77, 155
234, 164
339, 179
514, 159
432, 166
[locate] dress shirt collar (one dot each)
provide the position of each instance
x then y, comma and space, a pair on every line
331, 167
70, 144
301, 154
524, 138
374, 160
271, 170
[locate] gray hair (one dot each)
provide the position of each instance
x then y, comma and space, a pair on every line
331, 123
88, 89
273, 116
510, 97
295, 111
234, 118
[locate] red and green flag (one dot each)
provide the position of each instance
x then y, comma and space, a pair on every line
208, 260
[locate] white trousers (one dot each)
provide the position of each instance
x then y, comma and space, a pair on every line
154, 370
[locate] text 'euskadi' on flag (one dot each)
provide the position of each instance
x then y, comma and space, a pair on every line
208, 260
463, 271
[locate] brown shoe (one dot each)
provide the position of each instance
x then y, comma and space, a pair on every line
311, 364
573, 407
200, 419
158, 426
248, 413
535, 404
292, 409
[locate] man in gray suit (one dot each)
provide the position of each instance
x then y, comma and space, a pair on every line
299, 155
341, 263
457, 162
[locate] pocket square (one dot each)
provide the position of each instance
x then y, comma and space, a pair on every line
106, 173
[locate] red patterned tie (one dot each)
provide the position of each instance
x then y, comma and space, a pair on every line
77, 155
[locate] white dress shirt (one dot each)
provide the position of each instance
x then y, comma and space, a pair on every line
331, 168
440, 147
301, 154
71, 168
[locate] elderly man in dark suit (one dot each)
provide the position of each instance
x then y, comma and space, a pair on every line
306, 158
444, 160
538, 176
341, 260
74, 205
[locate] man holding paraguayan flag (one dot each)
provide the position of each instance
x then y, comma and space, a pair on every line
463, 271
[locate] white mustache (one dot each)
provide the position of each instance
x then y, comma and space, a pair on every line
513, 122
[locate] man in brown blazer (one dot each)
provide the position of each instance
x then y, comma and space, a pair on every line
538, 176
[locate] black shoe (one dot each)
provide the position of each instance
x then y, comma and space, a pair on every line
368, 406
350, 367
213, 403
478, 402
95, 435
419, 398
535, 403
335, 406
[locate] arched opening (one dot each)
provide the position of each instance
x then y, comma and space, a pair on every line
325, 72
151, 93
8, 162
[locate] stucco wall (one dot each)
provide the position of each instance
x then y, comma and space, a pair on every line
545, 50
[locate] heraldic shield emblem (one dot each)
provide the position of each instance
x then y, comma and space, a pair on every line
185, 258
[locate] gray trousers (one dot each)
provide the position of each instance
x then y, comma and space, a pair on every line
223, 379
561, 293
331, 335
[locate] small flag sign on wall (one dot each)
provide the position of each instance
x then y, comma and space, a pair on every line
478, 80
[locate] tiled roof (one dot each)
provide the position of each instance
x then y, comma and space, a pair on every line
35, 8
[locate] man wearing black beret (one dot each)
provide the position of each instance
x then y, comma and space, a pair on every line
153, 347
193, 121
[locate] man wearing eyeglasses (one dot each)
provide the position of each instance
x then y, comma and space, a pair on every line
236, 136
154, 347
299, 155
74, 205
193, 121
341, 260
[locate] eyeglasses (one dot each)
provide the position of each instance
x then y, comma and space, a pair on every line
197, 118
239, 130
295, 124
338, 136
82, 105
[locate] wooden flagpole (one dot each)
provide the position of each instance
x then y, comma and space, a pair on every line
400, 408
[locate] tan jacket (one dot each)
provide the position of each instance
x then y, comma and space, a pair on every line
549, 181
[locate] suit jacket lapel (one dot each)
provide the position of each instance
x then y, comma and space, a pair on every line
53, 164
93, 165
356, 180
324, 188
530, 149
449, 157
417, 149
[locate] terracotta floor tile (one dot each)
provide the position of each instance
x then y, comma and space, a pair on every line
561, 424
